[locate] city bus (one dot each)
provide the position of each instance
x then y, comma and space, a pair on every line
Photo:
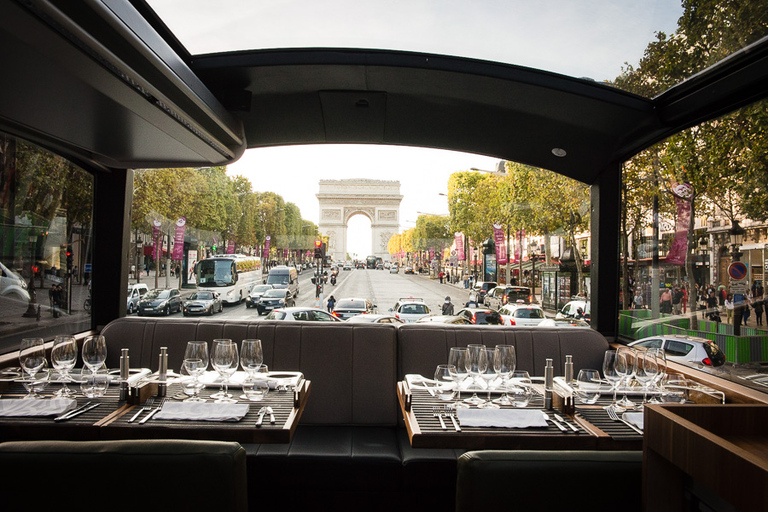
231, 276
370, 262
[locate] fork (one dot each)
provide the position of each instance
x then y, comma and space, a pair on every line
147, 407
615, 417
437, 412
554, 422
152, 412
451, 413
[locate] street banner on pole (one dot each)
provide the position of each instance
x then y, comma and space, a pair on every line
178, 238
677, 253
459, 242
266, 247
501, 245
231, 247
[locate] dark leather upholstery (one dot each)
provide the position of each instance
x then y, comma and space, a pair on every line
124, 475
350, 450
549, 480
421, 347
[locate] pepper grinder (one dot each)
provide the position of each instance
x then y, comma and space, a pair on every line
549, 371
163, 373
568, 370
124, 372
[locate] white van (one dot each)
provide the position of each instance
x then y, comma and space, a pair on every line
282, 276
12, 285
135, 293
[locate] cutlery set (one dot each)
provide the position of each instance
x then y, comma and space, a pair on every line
76, 412
262, 412
615, 417
446, 411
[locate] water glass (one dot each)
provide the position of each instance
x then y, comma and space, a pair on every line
521, 389
32, 360
256, 385
610, 373
459, 358
445, 386
587, 388
251, 355
94, 384
220, 393
675, 389
504, 363
195, 362
489, 376
626, 367
478, 364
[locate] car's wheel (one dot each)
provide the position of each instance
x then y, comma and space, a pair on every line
167, 310
130, 309
210, 310
221, 307
186, 314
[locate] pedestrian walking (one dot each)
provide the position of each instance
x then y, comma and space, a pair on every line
55, 295
331, 303
677, 300
757, 305
448, 306
441, 275
637, 302
666, 301
729, 308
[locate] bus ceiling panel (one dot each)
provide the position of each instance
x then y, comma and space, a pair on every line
82, 94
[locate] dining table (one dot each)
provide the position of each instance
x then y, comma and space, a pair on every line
110, 419
586, 427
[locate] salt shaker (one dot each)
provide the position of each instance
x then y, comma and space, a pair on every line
163, 372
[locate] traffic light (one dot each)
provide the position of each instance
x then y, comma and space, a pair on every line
319, 249
70, 259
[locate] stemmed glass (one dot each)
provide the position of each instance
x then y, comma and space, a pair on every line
478, 363
251, 358
489, 375
459, 358
627, 368
504, 363
94, 352
63, 359
220, 393
225, 361
661, 361
609, 372
195, 362
647, 370
32, 359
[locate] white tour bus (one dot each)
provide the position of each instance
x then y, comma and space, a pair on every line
232, 276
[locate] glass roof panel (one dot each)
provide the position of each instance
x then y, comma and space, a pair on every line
597, 39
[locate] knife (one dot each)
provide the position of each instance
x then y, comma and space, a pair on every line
262, 412
271, 415
560, 418
80, 411
630, 425
69, 414
455, 423
151, 413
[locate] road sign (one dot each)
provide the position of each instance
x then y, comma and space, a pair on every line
765, 264
737, 270
87, 268
738, 287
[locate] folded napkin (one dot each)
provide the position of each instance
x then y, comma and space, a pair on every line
53, 407
201, 411
506, 418
635, 418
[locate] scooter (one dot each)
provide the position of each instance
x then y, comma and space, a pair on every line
333, 279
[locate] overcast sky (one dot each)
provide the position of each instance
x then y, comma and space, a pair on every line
582, 38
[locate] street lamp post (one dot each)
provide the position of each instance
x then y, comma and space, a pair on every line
736, 234
138, 259
533, 255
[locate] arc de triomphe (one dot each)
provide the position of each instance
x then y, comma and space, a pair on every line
340, 200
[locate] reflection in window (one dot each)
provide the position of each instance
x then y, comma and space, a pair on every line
45, 254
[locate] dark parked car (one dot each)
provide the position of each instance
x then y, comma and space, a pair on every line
203, 303
347, 308
256, 293
162, 301
478, 291
273, 299
479, 315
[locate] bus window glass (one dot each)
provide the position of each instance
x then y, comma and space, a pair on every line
45, 244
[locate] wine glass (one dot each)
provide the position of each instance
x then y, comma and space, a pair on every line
661, 361
220, 393
478, 363
445, 385
627, 368
587, 388
675, 388
647, 369
504, 363
521, 391
609, 372
489, 375
63, 359
32, 360
459, 358
195, 362
225, 360
94, 352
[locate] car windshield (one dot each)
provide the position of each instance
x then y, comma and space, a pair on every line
275, 293
157, 294
201, 296
276, 315
261, 288
277, 279
529, 313
518, 295
414, 309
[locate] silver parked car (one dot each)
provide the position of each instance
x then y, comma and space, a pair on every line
525, 315
203, 303
690, 349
